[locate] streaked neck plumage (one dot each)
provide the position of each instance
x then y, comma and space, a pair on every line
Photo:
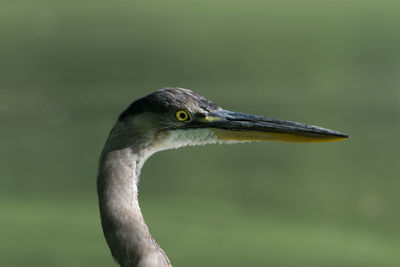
124, 228
126, 150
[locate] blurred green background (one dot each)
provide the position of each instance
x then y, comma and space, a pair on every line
68, 68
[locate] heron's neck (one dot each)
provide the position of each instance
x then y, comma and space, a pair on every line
124, 228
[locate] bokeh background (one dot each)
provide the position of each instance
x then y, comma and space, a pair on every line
68, 68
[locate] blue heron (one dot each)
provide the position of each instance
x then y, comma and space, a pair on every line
166, 119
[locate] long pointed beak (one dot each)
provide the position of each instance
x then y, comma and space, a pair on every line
235, 126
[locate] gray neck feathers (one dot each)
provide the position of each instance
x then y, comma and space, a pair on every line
124, 154
126, 233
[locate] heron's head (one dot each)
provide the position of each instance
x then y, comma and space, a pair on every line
176, 117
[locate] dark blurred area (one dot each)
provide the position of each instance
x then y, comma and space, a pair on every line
68, 68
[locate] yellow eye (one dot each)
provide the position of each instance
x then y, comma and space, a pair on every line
182, 115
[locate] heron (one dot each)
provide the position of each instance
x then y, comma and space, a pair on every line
166, 119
